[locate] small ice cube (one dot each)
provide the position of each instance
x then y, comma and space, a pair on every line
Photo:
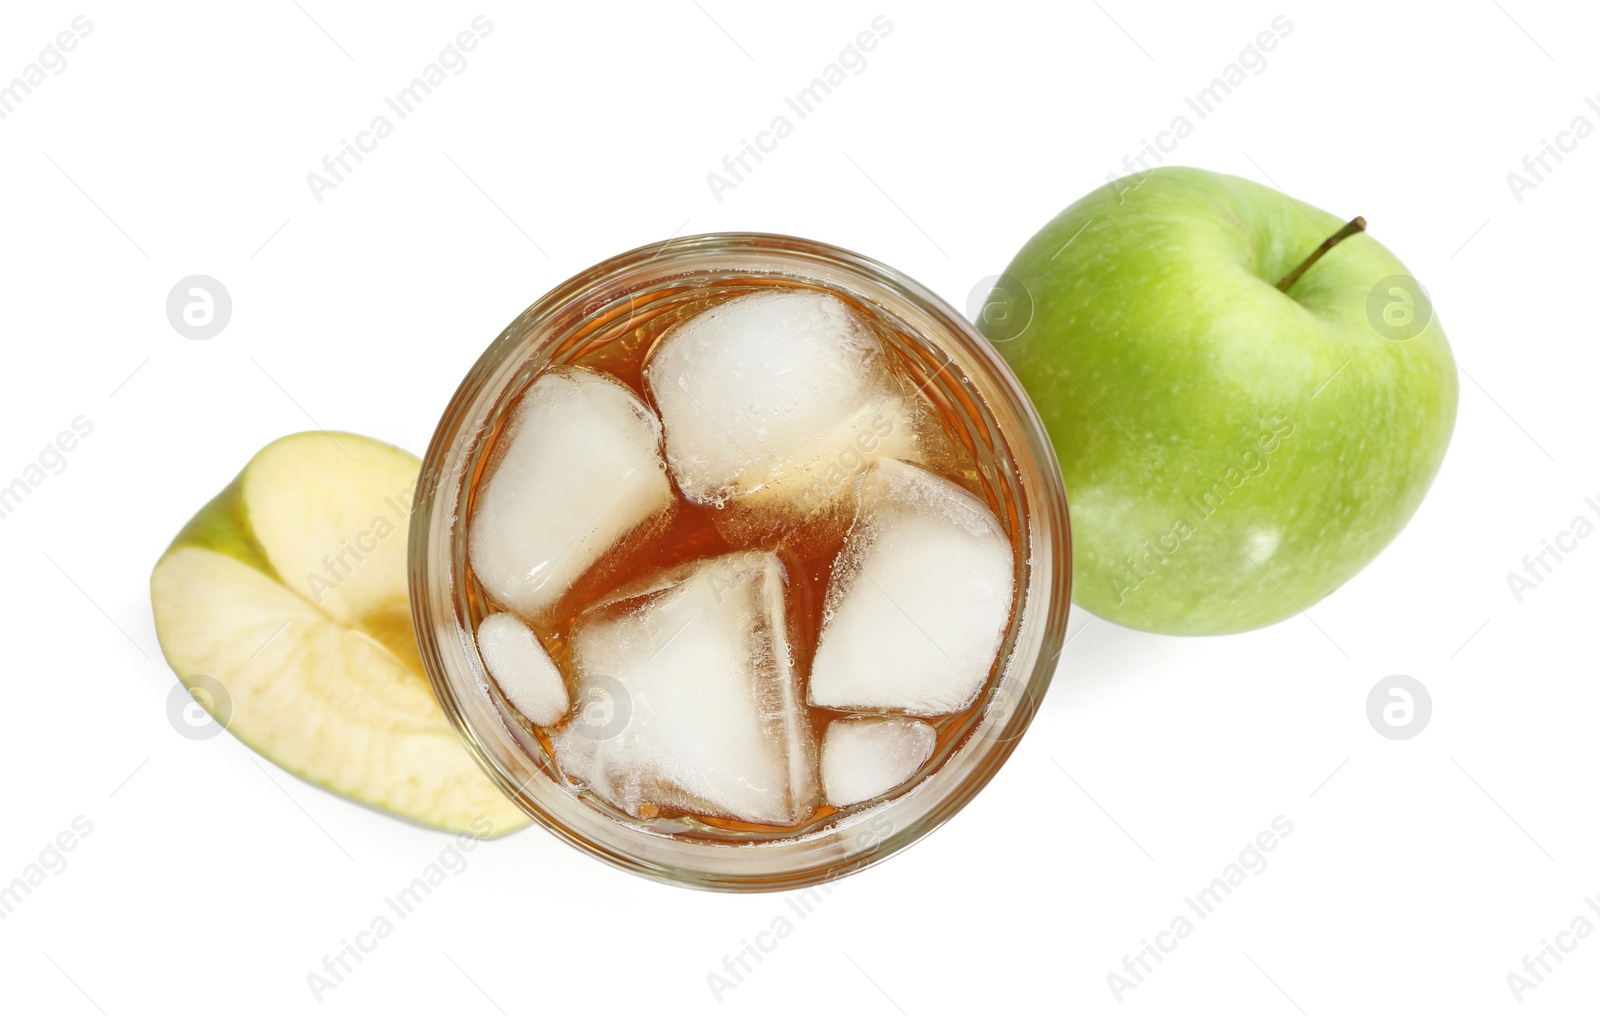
918, 599
705, 704
582, 469
524, 671
864, 756
784, 395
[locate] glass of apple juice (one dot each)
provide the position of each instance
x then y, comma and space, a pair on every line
740, 561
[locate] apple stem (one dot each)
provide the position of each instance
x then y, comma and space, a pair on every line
1349, 229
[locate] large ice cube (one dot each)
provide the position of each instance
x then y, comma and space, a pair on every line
783, 395
522, 669
704, 702
864, 756
581, 471
918, 599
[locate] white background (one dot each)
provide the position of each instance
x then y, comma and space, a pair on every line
177, 141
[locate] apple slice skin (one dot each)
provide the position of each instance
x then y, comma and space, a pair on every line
1232, 454
331, 692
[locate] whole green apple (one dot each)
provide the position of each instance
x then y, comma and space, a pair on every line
1233, 451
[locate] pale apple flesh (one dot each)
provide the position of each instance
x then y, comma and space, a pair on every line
290, 590
1232, 454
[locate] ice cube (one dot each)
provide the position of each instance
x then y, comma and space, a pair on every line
918, 598
864, 756
784, 396
705, 704
582, 471
517, 661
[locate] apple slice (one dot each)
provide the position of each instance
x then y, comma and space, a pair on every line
289, 589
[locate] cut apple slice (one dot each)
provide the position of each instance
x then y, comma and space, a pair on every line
289, 589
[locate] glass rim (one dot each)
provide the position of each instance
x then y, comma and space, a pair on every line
446, 642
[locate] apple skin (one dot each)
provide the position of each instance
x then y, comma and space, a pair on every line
1232, 454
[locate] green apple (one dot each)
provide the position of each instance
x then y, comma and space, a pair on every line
283, 606
1237, 439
